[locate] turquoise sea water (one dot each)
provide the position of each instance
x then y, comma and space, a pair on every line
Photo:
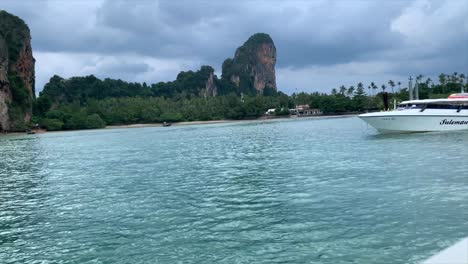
306, 191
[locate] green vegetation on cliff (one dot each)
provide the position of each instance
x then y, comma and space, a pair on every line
188, 84
15, 32
17, 80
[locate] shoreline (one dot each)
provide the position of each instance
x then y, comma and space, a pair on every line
229, 121
190, 123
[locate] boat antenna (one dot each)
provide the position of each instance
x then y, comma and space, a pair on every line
295, 103
410, 88
416, 90
463, 87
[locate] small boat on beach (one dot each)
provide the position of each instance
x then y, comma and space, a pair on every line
166, 124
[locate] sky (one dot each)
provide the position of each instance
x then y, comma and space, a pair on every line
321, 44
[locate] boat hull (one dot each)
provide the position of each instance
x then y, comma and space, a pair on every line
389, 123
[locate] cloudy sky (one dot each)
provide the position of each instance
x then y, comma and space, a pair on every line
321, 44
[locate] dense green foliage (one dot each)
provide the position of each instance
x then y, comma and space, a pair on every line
70, 117
77, 103
51, 124
20, 104
16, 113
188, 84
19, 92
14, 31
134, 110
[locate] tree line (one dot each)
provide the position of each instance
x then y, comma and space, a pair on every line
88, 102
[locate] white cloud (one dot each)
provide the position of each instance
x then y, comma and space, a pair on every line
433, 25
321, 44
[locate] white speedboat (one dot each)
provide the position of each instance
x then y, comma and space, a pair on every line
423, 115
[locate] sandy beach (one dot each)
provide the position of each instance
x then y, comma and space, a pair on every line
191, 123
224, 121
185, 123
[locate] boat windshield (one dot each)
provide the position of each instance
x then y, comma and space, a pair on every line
410, 106
432, 106
442, 106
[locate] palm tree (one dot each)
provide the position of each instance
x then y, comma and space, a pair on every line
360, 86
462, 78
392, 84
369, 88
442, 81
383, 87
399, 86
419, 78
334, 92
350, 91
428, 81
455, 77
462, 81
342, 89
374, 87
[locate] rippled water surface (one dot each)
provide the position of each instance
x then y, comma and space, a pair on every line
307, 191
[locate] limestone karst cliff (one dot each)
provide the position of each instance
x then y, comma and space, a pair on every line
16, 73
210, 84
253, 67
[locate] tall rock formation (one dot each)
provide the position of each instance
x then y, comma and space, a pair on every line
210, 88
253, 67
16, 73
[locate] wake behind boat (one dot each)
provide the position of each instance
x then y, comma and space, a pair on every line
423, 115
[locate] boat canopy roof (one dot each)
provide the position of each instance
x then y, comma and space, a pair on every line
437, 101
458, 95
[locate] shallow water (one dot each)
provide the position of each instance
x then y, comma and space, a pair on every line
304, 191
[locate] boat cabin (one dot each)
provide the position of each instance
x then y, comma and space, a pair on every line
455, 104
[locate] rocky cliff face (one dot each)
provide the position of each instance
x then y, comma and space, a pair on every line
253, 67
24, 66
198, 83
210, 85
16, 73
5, 95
